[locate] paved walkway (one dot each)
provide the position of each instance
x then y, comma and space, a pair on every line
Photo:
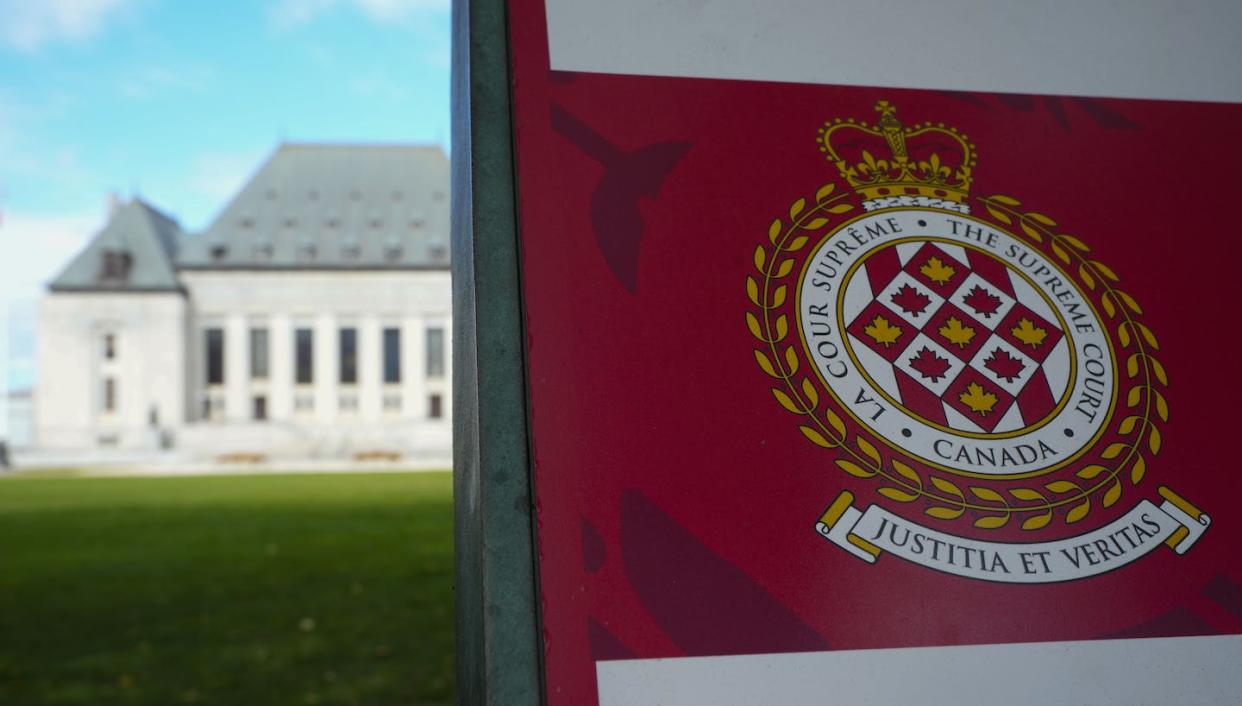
166, 464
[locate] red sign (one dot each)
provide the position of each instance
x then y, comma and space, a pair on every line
819, 368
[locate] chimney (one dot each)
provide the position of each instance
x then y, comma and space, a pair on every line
115, 202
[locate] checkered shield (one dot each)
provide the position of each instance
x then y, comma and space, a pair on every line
957, 337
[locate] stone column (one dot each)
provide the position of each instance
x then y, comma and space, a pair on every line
327, 368
236, 368
370, 368
280, 368
413, 369
448, 371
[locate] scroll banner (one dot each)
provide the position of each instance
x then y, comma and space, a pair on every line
867, 533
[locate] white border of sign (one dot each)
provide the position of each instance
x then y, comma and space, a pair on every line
1171, 670
1134, 49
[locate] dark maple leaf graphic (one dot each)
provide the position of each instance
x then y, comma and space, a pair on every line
1004, 365
911, 300
982, 301
929, 365
630, 178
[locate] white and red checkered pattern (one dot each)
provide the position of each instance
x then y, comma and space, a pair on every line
957, 337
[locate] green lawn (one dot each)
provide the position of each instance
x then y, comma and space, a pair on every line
233, 590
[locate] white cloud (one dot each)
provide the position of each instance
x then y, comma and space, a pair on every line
34, 242
28, 25
18, 329
149, 81
291, 13
34, 248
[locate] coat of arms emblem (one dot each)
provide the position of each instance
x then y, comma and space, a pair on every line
977, 363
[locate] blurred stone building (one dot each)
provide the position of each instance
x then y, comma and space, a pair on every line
311, 318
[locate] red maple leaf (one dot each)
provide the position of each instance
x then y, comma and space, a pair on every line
911, 300
1004, 365
982, 301
929, 365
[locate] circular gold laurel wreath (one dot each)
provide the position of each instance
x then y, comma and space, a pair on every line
769, 290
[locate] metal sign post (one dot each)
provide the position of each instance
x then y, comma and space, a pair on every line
498, 644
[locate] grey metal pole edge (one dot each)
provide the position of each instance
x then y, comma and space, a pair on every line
499, 650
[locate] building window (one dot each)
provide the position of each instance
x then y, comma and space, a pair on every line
348, 349
435, 407
303, 403
109, 346
116, 265
392, 249
351, 249
392, 355
307, 249
392, 403
215, 356
263, 249
303, 353
259, 408
258, 354
348, 403
109, 395
435, 352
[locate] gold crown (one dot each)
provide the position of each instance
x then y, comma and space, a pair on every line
924, 160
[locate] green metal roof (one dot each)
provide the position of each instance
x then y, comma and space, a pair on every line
135, 251
317, 206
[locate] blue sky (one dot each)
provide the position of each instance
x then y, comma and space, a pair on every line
179, 102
